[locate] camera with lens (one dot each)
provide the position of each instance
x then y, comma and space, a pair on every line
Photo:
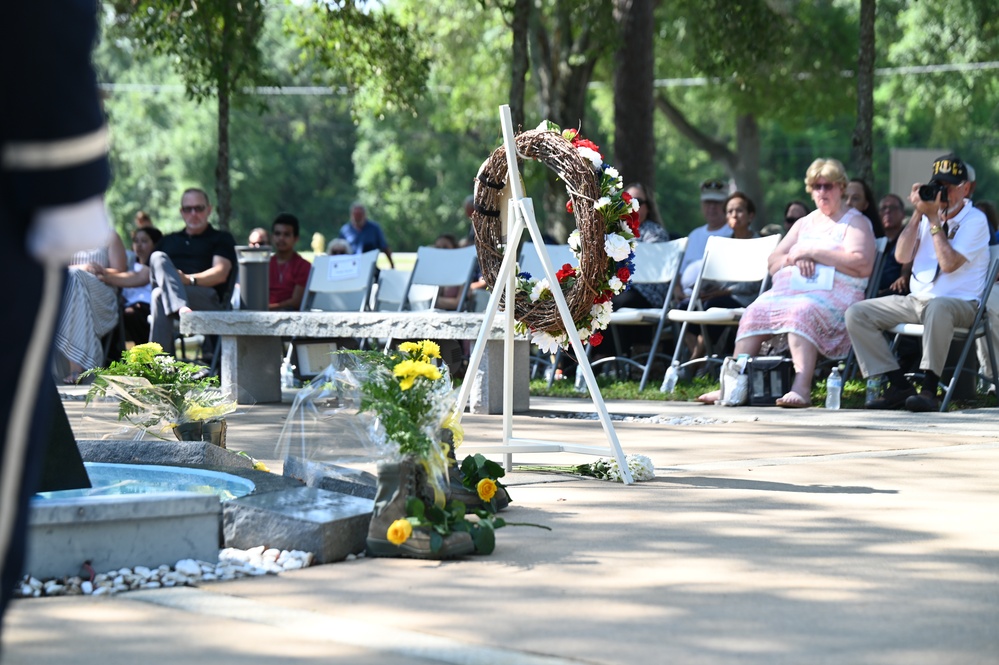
929, 192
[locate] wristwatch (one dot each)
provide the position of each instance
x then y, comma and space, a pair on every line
934, 229
194, 280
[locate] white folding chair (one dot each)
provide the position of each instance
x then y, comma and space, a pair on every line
434, 269
655, 263
725, 260
340, 283
439, 268
980, 327
530, 260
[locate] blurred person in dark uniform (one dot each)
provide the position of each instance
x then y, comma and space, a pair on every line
53, 174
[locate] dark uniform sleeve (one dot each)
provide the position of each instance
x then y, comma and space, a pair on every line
54, 152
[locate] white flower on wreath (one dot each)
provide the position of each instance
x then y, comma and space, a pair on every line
540, 287
615, 285
602, 202
547, 343
617, 247
601, 313
574, 242
635, 205
592, 155
615, 178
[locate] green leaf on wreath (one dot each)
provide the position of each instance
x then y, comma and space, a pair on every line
436, 541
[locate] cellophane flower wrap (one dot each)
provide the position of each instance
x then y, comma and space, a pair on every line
621, 221
403, 401
157, 392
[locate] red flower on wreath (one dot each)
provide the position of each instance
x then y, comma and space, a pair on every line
566, 272
633, 223
623, 273
568, 206
626, 197
586, 143
596, 338
603, 297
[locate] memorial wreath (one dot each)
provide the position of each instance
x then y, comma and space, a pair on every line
603, 241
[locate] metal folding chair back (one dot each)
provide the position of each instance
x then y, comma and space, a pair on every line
655, 263
340, 283
725, 260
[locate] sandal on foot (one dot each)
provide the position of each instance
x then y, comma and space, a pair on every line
710, 398
792, 400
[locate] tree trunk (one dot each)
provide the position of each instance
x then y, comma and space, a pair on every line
746, 167
634, 141
863, 142
518, 79
222, 188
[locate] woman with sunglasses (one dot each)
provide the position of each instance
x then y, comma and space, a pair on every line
819, 269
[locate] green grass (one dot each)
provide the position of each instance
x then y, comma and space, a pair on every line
853, 397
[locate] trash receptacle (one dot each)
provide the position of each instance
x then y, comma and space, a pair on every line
254, 276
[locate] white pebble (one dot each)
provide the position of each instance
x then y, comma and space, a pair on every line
87, 587
293, 564
143, 572
26, 590
188, 567
102, 591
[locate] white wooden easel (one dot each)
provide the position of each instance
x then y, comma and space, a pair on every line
521, 215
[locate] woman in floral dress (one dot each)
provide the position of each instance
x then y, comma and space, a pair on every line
819, 269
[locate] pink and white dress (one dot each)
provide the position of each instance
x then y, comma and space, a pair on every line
818, 315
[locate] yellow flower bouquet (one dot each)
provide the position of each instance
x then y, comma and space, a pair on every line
155, 389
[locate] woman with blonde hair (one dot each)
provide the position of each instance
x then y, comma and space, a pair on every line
819, 269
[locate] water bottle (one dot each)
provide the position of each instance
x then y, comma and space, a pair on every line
287, 375
873, 388
669, 383
834, 388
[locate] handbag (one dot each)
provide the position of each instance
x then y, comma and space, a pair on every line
770, 377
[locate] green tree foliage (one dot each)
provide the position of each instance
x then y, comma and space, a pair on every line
213, 44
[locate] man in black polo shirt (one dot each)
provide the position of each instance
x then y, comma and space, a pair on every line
190, 269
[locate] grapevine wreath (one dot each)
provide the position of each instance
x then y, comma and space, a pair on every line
603, 242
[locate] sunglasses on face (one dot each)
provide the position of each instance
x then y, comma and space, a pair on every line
791, 220
713, 184
824, 186
187, 210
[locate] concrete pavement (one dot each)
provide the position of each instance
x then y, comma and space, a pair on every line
768, 536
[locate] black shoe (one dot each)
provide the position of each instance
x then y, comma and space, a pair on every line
893, 398
923, 402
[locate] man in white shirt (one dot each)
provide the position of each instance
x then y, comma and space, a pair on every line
949, 250
713, 195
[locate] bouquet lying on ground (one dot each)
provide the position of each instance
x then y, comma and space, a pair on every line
157, 389
605, 468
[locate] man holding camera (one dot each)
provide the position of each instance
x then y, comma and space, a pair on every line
949, 249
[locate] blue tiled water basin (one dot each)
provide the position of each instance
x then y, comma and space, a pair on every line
124, 479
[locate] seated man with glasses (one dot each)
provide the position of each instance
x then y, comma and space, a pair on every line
713, 195
190, 269
949, 249
894, 275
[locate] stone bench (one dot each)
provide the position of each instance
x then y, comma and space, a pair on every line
252, 346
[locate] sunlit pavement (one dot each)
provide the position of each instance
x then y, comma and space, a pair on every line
768, 536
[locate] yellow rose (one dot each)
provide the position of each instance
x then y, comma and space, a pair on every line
260, 466
486, 489
399, 531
